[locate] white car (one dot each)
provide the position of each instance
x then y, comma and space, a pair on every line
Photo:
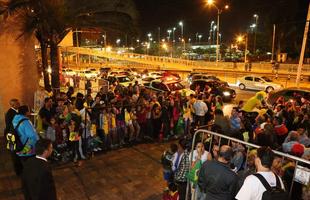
88, 74
258, 83
122, 80
68, 72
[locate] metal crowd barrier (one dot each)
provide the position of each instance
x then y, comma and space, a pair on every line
251, 146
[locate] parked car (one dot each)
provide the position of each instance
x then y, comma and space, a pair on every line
122, 80
88, 74
205, 77
217, 88
68, 72
258, 83
293, 94
146, 80
161, 86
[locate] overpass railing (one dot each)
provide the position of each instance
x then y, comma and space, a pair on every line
187, 64
301, 174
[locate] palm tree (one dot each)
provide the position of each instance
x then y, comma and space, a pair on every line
51, 20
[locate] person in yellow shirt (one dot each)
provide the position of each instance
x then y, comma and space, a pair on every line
254, 102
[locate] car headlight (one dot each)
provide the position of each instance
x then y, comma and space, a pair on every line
226, 93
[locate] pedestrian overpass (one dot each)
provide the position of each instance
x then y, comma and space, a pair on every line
71, 56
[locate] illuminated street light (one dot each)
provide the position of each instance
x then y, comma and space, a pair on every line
118, 41
174, 28
240, 39
255, 26
169, 33
219, 11
182, 25
210, 2
199, 37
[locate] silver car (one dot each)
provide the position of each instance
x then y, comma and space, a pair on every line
258, 83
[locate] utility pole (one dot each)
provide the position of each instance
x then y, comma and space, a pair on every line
302, 53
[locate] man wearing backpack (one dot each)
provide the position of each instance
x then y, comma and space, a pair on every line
264, 184
9, 115
26, 138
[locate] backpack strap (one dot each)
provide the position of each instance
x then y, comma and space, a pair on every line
263, 181
19, 123
278, 183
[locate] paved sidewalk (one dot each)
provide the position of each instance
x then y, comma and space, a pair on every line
124, 174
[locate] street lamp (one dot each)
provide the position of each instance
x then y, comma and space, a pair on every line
169, 33
182, 25
219, 11
174, 28
211, 35
199, 37
240, 39
255, 26
118, 41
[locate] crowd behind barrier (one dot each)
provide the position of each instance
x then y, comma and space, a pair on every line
80, 125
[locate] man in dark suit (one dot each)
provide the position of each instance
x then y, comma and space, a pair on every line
9, 115
9, 128
37, 178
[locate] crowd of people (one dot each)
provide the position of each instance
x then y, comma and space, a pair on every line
223, 169
79, 125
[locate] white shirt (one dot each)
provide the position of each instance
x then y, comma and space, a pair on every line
253, 189
203, 158
39, 157
174, 160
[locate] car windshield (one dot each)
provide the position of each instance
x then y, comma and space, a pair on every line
175, 86
266, 79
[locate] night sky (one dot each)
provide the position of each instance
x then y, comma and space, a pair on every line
197, 16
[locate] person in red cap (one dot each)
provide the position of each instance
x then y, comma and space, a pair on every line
297, 150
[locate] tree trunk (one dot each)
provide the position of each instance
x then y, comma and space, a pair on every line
55, 65
44, 64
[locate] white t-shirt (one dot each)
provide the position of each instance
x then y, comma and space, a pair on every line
253, 189
204, 156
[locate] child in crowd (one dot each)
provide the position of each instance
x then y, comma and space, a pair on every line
166, 161
171, 193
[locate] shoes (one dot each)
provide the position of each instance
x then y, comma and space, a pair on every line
99, 149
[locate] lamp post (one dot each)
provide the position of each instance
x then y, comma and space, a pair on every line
256, 19
219, 11
118, 41
182, 27
211, 29
199, 37
169, 33
173, 38
240, 39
